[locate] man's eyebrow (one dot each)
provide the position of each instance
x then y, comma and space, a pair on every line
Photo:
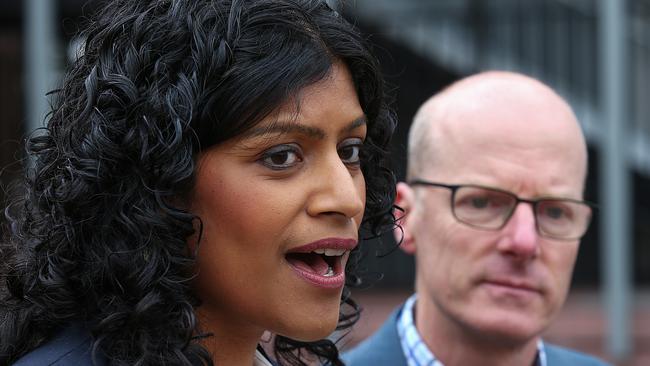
286, 127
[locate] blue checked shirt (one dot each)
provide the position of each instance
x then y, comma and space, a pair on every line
418, 354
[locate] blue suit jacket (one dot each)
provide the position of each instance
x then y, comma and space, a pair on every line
71, 347
383, 348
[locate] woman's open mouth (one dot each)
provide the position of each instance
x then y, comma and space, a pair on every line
322, 263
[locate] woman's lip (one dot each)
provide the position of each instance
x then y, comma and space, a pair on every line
327, 243
336, 281
330, 282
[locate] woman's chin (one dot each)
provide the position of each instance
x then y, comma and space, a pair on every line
314, 331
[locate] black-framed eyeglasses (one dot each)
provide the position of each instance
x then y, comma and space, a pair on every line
491, 208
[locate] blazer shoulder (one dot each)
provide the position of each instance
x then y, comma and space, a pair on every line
71, 346
381, 348
560, 356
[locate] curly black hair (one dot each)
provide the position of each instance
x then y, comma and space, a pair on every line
95, 235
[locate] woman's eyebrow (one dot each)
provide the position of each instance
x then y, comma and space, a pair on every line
286, 127
357, 123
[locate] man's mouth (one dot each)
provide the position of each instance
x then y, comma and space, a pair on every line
513, 285
322, 263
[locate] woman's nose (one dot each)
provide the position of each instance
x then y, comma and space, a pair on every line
339, 190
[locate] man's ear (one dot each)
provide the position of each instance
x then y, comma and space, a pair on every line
403, 232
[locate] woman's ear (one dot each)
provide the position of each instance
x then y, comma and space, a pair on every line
404, 203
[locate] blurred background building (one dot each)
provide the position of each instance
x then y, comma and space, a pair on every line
595, 53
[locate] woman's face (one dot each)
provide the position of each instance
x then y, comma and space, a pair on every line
281, 207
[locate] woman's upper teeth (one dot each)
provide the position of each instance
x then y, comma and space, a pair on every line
330, 252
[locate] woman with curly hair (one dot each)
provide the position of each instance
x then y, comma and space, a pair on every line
203, 178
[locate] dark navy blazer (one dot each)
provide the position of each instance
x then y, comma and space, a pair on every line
384, 349
71, 347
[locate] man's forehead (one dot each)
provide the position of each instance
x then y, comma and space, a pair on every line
486, 82
496, 116
489, 90
498, 102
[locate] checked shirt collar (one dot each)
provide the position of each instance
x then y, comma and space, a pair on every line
416, 351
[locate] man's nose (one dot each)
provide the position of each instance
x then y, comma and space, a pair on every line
521, 239
338, 191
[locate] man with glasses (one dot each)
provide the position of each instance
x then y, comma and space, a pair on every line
493, 211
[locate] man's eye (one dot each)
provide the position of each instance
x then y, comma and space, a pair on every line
484, 201
349, 151
555, 213
281, 157
480, 202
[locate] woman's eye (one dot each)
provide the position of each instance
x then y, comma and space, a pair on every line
281, 157
349, 151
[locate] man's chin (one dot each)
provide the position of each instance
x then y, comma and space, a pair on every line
507, 329
509, 314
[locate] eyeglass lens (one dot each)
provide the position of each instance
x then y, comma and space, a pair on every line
490, 209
